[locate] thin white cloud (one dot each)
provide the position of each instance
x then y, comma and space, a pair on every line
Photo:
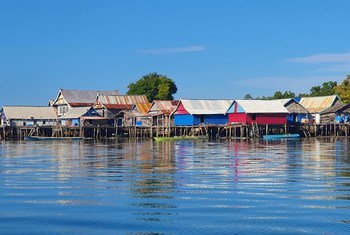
323, 58
172, 50
344, 68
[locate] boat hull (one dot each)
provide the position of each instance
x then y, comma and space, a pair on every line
277, 137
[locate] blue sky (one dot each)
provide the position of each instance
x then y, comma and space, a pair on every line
211, 49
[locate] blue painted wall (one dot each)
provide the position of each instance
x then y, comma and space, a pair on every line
215, 119
186, 120
195, 120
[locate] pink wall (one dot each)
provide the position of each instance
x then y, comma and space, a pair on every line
238, 117
271, 119
181, 110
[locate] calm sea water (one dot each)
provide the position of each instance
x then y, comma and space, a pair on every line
189, 187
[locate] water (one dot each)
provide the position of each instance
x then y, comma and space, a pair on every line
189, 187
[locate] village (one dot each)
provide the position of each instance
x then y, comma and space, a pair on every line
108, 114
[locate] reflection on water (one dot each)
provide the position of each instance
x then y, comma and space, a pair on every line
299, 186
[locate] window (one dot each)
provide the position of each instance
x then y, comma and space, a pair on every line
62, 110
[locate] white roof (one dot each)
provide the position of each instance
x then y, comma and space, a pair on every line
202, 107
284, 101
29, 112
76, 112
262, 106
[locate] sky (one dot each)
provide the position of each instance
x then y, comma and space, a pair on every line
211, 49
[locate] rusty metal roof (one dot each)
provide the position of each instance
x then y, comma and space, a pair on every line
163, 106
142, 107
318, 104
120, 101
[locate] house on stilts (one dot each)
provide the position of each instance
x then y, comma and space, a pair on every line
316, 105
193, 112
113, 107
67, 99
160, 112
260, 112
28, 116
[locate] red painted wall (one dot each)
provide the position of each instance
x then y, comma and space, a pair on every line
181, 110
239, 117
271, 119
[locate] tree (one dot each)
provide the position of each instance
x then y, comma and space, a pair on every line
288, 94
277, 95
327, 88
154, 86
343, 90
247, 97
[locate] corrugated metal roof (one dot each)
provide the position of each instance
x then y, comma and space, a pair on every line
76, 112
317, 104
121, 101
163, 106
284, 101
83, 97
337, 108
143, 107
262, 106
203, 107
29, 112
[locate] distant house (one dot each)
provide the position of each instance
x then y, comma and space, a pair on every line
315, 105
338, 113
28, 116
161, 110
297, 113
67, 99
112, 107
270, 112
137, 116
192, 112
77, 115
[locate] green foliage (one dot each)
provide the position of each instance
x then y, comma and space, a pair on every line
343, 90
247, 97
327, 88
154, 86
279, 95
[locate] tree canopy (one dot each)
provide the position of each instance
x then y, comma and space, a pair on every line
343, 90
154, 86
327, 88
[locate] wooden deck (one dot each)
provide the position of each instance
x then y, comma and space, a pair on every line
232, 131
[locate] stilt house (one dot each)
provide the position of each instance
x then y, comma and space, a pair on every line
78, 115
297, 113
338, 113
112, 107
270, 112
161, 110
138, 115
28, 116
193, 112
67, 99
315, 105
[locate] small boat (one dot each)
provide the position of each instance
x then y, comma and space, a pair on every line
176, 138
277, 137
35, 138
